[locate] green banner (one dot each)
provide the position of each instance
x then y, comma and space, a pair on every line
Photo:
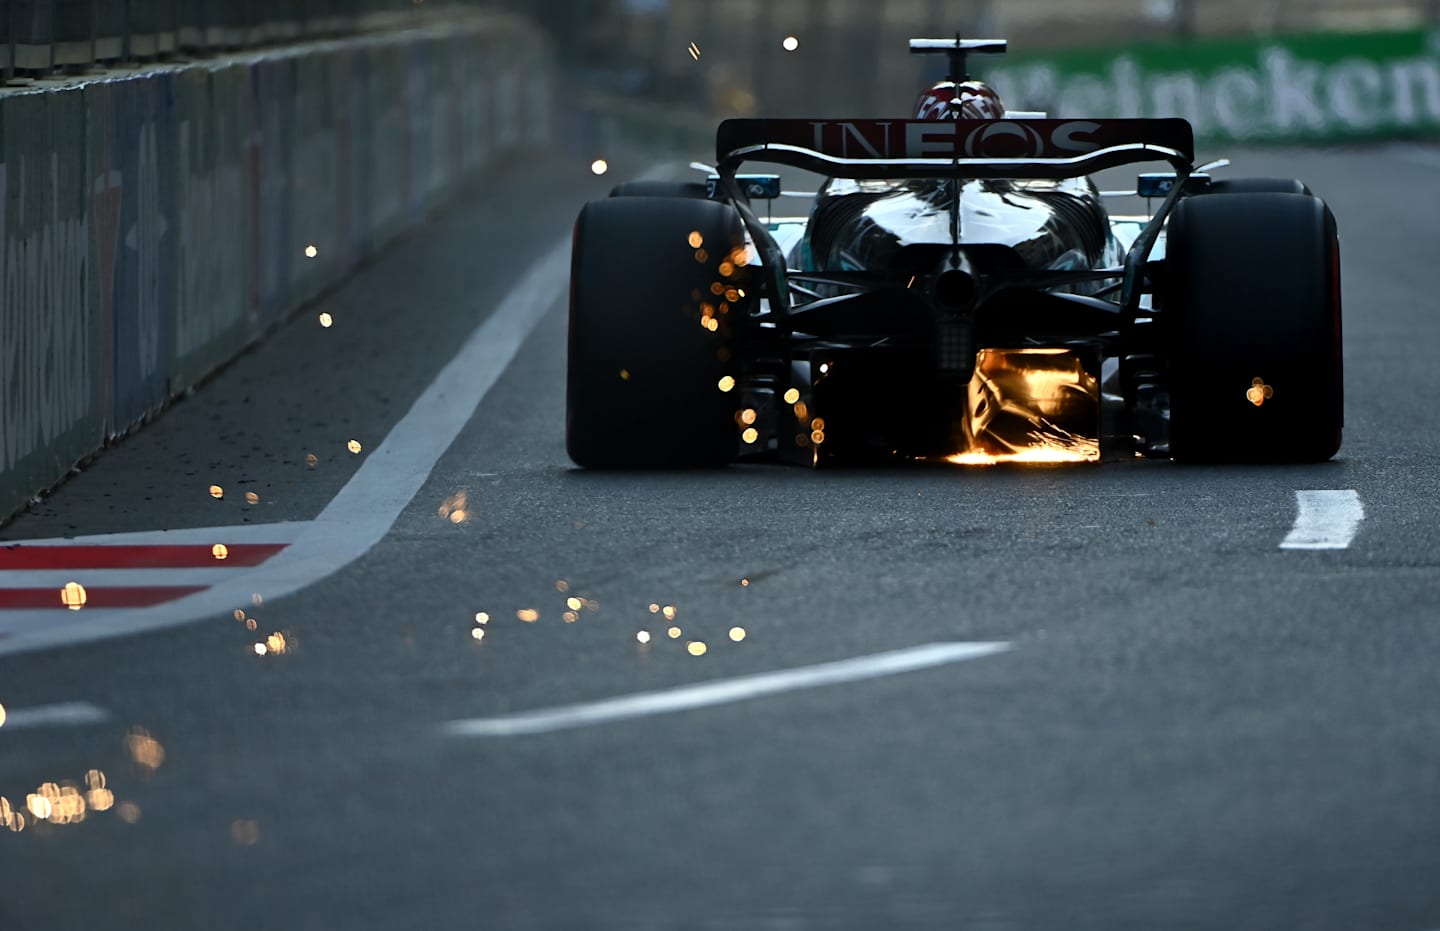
1312, 88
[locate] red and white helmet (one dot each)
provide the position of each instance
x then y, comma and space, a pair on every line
967, 100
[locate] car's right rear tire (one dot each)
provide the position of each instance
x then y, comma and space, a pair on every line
651, 341
1259, 186
1251, 307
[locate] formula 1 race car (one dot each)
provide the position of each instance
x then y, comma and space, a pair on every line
958, 291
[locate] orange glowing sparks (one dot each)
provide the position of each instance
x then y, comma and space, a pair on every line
792, 396
696, 240
696, 648
562, 586
73, 596
528, 615
260, 649
453, 508
3, 715
277, 644
674, 633
744, 583
702, 256
624, 374
1259, 392
1042, 455
737, 634
727, 384
311, 460
654, 608
220, 551
39, 806
643, 637
327, 321
599, 167
354, 447
694, 50
670, 612
574, 604
748, 416
482, 618
245, 833
570, 617
252, 498
751, 436
311, 252
251, 624
217, 492
478, 633
145, 751
790, 43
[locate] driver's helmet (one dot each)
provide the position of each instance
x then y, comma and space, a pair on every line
967, 100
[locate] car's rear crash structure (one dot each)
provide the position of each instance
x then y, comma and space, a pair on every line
957, 292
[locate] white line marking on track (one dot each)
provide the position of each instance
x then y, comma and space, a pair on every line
364, 510
66, 714
281, 532
1327, 520
707, 694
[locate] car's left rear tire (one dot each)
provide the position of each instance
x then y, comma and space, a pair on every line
690, 190
652, 343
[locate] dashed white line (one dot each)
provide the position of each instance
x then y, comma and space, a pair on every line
707, 694
65, 714
1326, 520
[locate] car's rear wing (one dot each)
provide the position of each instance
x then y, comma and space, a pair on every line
1010, 148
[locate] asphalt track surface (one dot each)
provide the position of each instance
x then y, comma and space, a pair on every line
1187, 726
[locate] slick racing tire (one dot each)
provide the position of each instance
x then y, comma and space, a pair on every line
650, 339
1252, 311
1259, 186
691, 190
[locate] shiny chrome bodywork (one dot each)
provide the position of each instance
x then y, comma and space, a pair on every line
977, 307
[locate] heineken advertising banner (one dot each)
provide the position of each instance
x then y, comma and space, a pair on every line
1313, 88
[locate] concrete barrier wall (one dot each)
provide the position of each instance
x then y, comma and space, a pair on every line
154, 223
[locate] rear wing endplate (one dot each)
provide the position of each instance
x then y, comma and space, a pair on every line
1009, 148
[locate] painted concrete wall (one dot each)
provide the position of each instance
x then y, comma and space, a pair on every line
154, 223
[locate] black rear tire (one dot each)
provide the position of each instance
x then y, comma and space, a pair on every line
1253, 292
690, 190
1260, 186
644, 373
